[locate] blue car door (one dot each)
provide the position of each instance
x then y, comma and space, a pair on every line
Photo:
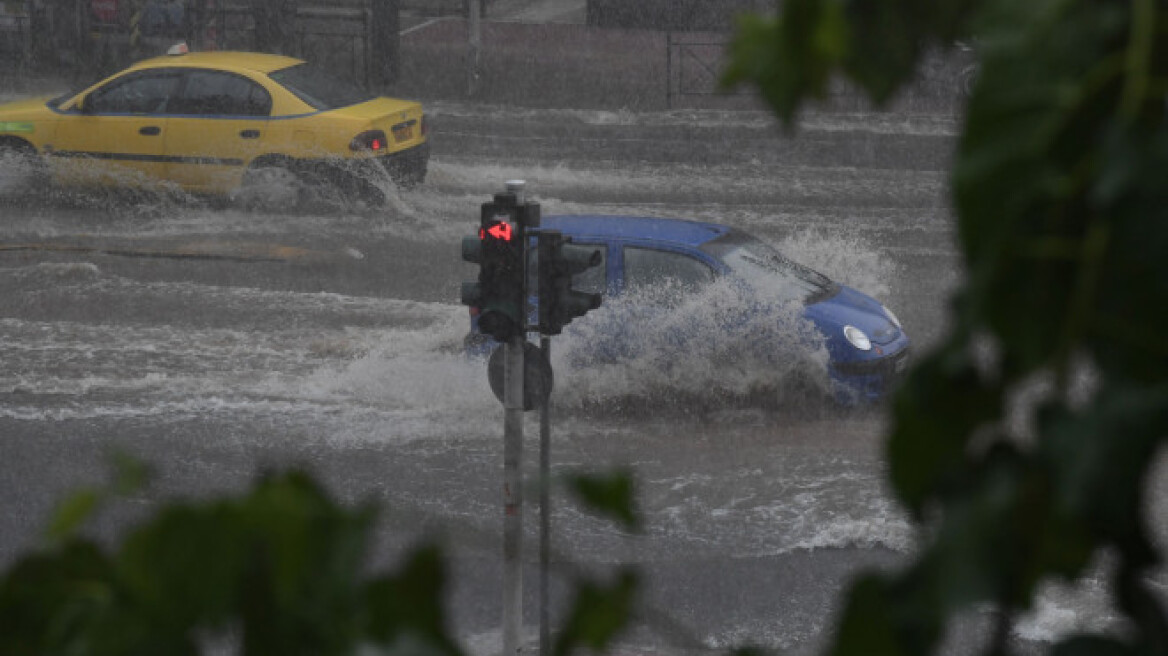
645, 281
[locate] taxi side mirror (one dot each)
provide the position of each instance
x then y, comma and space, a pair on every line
82, 105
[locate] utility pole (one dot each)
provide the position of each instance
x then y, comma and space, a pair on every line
545, 511
513, 375
499, 301
513, 497
499, 304
385, 42
474, 63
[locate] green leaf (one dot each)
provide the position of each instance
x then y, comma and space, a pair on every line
301, 584
790, 58
610, 495
1092, 646
186, 564
1100, 456
408, 606
130, 474
1063, 221
73, 512
51, 603
937, 410
870, 625
599, 613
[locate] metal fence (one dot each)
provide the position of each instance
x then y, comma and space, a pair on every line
694, 65
15, 31
336, 38
91, 37
696, 60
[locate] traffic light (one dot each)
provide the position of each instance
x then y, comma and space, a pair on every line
558, 261
499, 296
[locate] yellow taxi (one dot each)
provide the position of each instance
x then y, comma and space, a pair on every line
219, 123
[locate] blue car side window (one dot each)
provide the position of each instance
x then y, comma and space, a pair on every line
651, 268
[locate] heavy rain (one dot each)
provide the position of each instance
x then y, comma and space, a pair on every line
217, 337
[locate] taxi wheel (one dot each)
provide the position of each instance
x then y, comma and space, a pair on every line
21, 169
270, 187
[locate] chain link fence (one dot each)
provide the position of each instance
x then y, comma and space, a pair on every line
15, 31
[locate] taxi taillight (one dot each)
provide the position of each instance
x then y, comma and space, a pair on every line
372, 140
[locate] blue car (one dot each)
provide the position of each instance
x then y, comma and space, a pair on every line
678, 290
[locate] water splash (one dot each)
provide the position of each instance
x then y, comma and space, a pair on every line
721, 344
421, 369
845, 258
353, 186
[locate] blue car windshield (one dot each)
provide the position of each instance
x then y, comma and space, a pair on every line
759, 264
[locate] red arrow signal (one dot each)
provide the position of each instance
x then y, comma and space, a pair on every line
498, 231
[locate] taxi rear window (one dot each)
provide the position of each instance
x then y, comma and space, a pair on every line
320, 89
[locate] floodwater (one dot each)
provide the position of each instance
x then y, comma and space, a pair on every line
216, 342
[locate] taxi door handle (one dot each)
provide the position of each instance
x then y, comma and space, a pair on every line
250, 134
150, 131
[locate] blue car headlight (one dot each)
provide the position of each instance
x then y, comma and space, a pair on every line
857, 338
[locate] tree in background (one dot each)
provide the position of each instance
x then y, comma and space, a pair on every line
1061, 197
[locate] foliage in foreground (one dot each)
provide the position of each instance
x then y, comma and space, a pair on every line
279, 570
1061, 196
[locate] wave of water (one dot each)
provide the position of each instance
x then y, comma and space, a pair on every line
762, 121
708, 346
111, 189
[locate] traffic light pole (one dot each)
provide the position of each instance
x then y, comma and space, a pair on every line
499, 298
545, 521
513, 407
474, 64
512, 496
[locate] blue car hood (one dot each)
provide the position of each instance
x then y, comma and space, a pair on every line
849, 307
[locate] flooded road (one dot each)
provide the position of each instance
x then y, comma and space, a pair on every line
216, 342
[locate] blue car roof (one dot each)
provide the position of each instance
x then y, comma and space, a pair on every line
677, 231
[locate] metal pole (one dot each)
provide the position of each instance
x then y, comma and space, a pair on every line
384, 42
26, 36
512, 496
669, 70
474, 47
545, 521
